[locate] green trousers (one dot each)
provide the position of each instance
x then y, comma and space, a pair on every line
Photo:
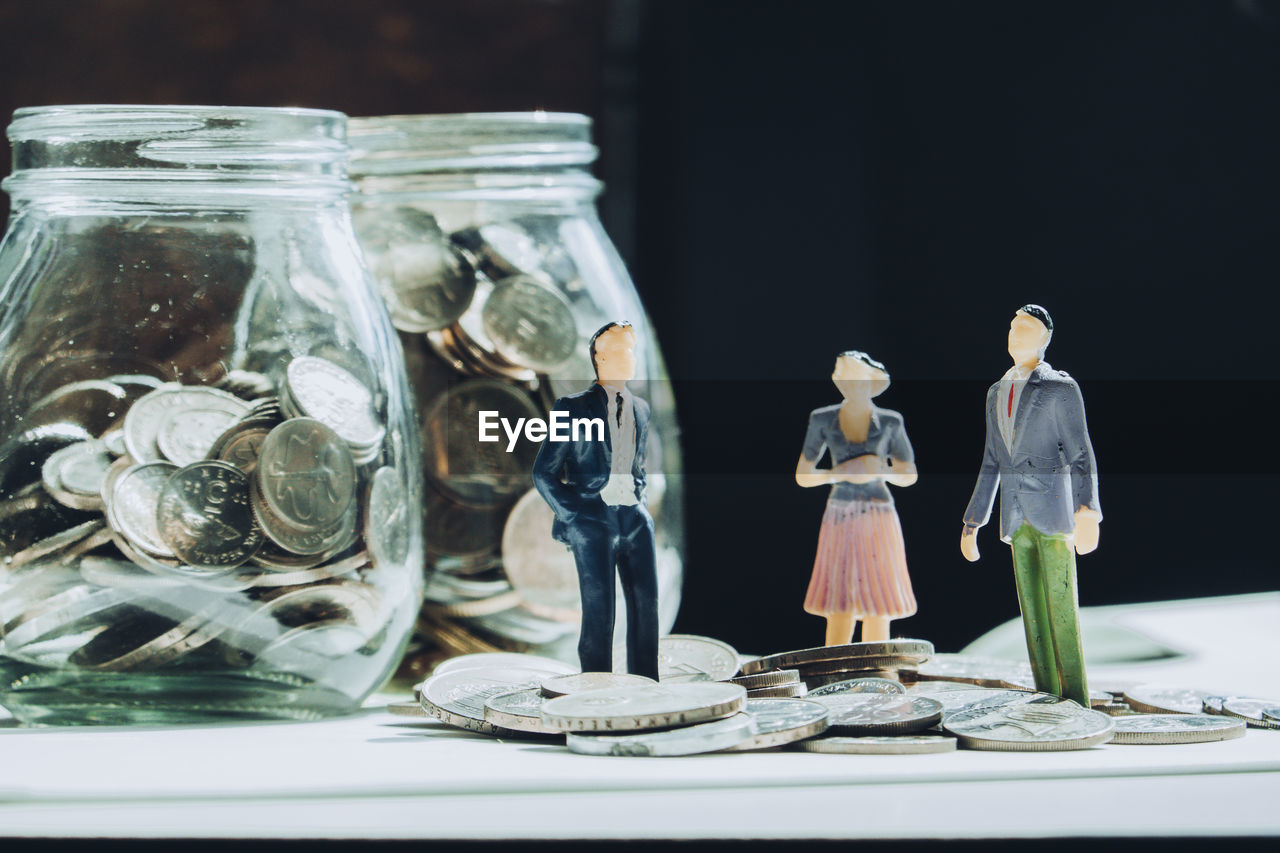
1045, 567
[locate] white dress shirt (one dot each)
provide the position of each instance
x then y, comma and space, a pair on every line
621, 488
1014, 380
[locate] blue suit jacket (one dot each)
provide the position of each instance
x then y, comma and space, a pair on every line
1049, 471
570, 474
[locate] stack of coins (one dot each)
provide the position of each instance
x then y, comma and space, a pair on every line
701, 704
828, 664
492, 317
202, 527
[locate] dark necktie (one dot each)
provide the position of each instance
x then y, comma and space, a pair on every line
619, 409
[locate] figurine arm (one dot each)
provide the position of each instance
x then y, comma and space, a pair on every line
978, 512
548, 472
900, 466
807, 473
1084, 473
642, 446
1079, 450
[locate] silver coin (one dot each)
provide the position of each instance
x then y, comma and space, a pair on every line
1165, 699
638, 708
688, 657
490, 660
565, 685
502, 249
539, 568
73, 476
1213, 704
518, 710
1031, 727
782, 691
859, 685
143, 420
246, 384
878, 713
985, 672
1115, 709
57, 543
187, 434
386, 519
886, 745
131, 510
113, 440
295, 540
775, 678
277, 577
853, 656
426, 284
1271, 713
687, 740
333, 396
205, 516
472, 472
530, 323
142, 640
458, 697
783, 721
60, 614
957, 701
241, 446
1252, 711
1176, 728
306, 475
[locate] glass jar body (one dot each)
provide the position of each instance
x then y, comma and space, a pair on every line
497, 271
208, 455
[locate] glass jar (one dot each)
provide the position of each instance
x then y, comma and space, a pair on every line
482, 235
207, 456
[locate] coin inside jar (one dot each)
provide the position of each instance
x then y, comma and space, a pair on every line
74, 474
205, 517
132, 507
306, 475
427, 284
318, 389
530, 323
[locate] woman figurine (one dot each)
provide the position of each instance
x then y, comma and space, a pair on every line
860, 572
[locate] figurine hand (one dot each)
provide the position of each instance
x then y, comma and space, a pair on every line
1086, 530
969, 543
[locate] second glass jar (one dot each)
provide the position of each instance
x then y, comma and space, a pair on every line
482, 235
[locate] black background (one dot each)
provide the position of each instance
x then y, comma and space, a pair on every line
788, 180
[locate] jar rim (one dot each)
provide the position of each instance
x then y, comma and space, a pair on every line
456, 142
133, 150
95, 121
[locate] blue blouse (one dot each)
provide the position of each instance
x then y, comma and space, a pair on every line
885, 437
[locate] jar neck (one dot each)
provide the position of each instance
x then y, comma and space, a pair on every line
176, 156
532, 158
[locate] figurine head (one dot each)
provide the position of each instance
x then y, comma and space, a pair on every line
858, 374
613, 353
1029, 334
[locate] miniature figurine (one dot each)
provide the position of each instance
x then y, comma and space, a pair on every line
1038, 452
860, 571
595, 485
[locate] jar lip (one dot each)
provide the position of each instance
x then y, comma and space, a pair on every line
131, 121
451, 142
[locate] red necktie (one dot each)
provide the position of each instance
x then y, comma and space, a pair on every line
1010, 399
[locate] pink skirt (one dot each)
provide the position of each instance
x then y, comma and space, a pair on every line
861, 566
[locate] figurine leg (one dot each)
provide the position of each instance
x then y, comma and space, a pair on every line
638, 570
1058, 561
593, 544
1035, 609
875, 629
840, 628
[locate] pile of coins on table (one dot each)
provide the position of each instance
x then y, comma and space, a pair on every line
707, 700
488, 320
214, 527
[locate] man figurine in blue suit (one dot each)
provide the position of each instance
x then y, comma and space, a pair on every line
595, 486
1039, 455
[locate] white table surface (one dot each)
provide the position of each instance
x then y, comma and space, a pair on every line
374, 775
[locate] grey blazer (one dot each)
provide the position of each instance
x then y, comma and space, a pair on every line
1049, 472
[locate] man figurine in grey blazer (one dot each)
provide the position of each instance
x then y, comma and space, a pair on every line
595, 485
1039, 455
